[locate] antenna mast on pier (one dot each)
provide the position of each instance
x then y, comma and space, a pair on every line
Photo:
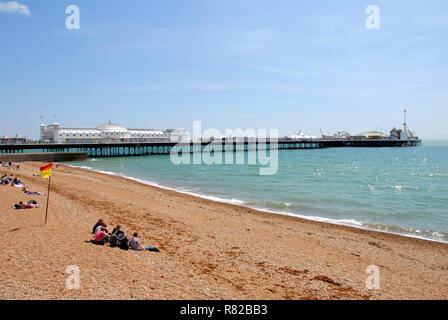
404, 123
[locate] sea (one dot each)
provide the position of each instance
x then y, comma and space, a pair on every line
395, 190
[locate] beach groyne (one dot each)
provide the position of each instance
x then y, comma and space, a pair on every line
44, 156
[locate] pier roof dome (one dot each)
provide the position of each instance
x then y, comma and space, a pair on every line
111, 127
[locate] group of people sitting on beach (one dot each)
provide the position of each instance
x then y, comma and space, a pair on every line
10, 165
10, 180
117, 238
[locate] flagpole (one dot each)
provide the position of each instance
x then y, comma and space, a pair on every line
48, 193
48, 198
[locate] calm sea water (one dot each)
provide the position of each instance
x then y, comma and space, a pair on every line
399, 190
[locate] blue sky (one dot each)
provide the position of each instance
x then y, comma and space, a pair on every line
280, 64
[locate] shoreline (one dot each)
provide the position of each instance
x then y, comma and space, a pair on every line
208, 250
240, 203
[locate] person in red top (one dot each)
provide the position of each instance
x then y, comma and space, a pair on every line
101, 236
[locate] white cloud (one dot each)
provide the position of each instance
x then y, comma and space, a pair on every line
14, 7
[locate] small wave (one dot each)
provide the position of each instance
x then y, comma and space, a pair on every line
409, 232
81, 167
400, 188
346, 222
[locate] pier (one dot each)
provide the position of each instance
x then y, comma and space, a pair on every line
118, 149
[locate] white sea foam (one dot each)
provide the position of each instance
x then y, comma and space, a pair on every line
203, 196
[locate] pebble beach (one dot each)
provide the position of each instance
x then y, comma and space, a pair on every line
208, 250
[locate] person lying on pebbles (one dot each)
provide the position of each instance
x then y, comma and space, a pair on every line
26, 191
28, 205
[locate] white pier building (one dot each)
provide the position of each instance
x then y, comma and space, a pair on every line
107, 133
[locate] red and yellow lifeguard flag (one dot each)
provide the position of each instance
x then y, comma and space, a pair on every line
45, 171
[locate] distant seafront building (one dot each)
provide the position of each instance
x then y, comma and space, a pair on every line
107, 133
18, 139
